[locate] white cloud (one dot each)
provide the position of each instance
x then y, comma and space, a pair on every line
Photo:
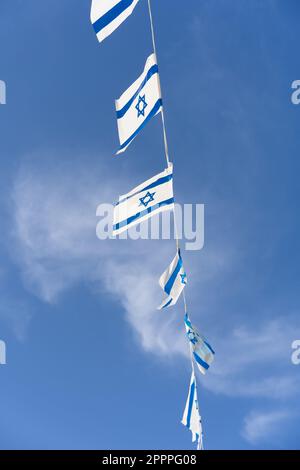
250, 353
56, 247
138, 292
264, 426
54, 229
17, 315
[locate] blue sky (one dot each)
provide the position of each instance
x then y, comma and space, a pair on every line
91, 363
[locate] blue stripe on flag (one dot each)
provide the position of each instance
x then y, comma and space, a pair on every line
153, 70
156, 183
170, 283
209, 346
111, 15
168, 303
152, 113
143, 213
200, 361
187, 321
191, 401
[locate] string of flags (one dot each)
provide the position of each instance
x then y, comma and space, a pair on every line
134, 109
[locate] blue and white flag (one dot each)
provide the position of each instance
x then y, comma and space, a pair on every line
138, 104
173, 281
144, 201
201, 349
107, 15
191, 416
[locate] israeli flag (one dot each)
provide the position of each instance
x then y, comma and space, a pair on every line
191, 416
201, 349
144, 201
138, 104
173, 281
107, 15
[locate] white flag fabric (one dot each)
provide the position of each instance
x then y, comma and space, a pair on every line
201, 349
138, 104
191, 416
144, 201
107, 15
173, 281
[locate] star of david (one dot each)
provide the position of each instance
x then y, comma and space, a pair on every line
149, 197
192, 337
183, 278
141, 106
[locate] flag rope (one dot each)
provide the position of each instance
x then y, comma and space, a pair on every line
200, 443
162, 108
166, 145
106, 17
165, 139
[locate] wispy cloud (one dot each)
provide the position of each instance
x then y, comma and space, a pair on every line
263, 427
137, 291
54, 234
258, 361
54, 229
17, 315
56, 248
